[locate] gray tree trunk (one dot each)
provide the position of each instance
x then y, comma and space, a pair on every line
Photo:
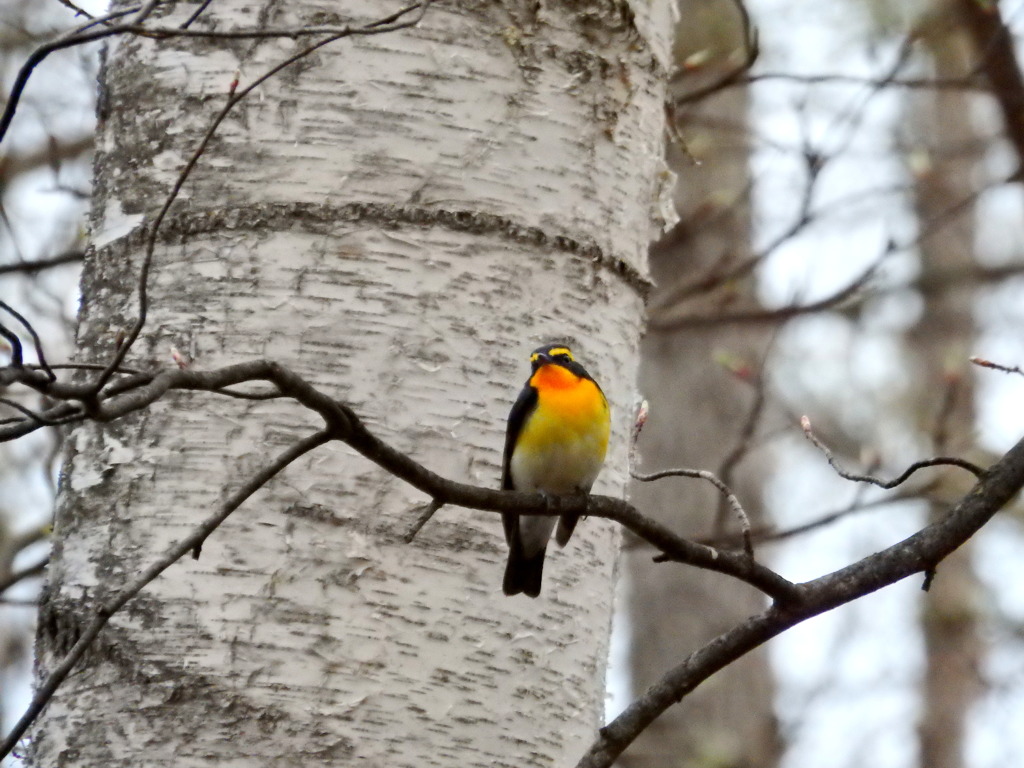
400, 219
950, 620
698, 411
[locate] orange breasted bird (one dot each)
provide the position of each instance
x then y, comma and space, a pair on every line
556, 442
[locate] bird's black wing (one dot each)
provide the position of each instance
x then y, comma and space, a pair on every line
521, 410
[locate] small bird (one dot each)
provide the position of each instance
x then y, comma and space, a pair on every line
556, 442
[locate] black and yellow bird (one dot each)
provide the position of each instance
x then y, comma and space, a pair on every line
556, 442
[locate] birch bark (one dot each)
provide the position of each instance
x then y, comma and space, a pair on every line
399, 218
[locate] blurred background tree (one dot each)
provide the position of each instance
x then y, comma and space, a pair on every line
44, 193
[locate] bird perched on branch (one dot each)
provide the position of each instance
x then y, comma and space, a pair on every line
556, 441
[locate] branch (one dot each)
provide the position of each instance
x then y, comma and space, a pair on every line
135, 393
993, 41
938, 461
751, 52
983, 363
793, 603
36, 341
38, 265
78, 36
51, 154
343, 424
727, 494
663, 321
919, 553
27, 573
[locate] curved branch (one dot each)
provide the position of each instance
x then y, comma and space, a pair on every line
135, 393
723, 489
751, 50
938, 461
75, 37
793, 602
36, 341
919, 553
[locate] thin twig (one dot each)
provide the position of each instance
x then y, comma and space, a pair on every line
31, 267
919, 553
77, 10
195, 14
70, 39
29, 413
938, 461
426, 512
27, 573
17, 353
983, 363
660, 322
746, 436
36, 341
751, 52
730, 498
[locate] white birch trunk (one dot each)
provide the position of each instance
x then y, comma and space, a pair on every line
400, 219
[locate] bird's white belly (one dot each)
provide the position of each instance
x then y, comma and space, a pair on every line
558, 468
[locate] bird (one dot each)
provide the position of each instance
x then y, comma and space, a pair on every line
556, 441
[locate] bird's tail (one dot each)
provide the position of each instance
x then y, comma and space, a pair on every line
523, 574
566, 525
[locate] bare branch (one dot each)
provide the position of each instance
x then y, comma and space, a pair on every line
751, 52
36, 341
427, 512
78, 11
135, 393
29, 413
664, 321
38, 265
994, 43
938, 461
52, 153
20, 576
75, 37
983, 363
730, 498
919, 553
195, 14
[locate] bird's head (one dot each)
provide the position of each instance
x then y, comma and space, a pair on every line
554, 365
551, 354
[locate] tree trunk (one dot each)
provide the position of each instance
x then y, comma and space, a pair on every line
698, 412
400, 218
949, 147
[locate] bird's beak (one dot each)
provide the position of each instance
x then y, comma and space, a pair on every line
541, 359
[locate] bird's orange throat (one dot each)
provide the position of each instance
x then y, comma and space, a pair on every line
554, 377
565, 397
